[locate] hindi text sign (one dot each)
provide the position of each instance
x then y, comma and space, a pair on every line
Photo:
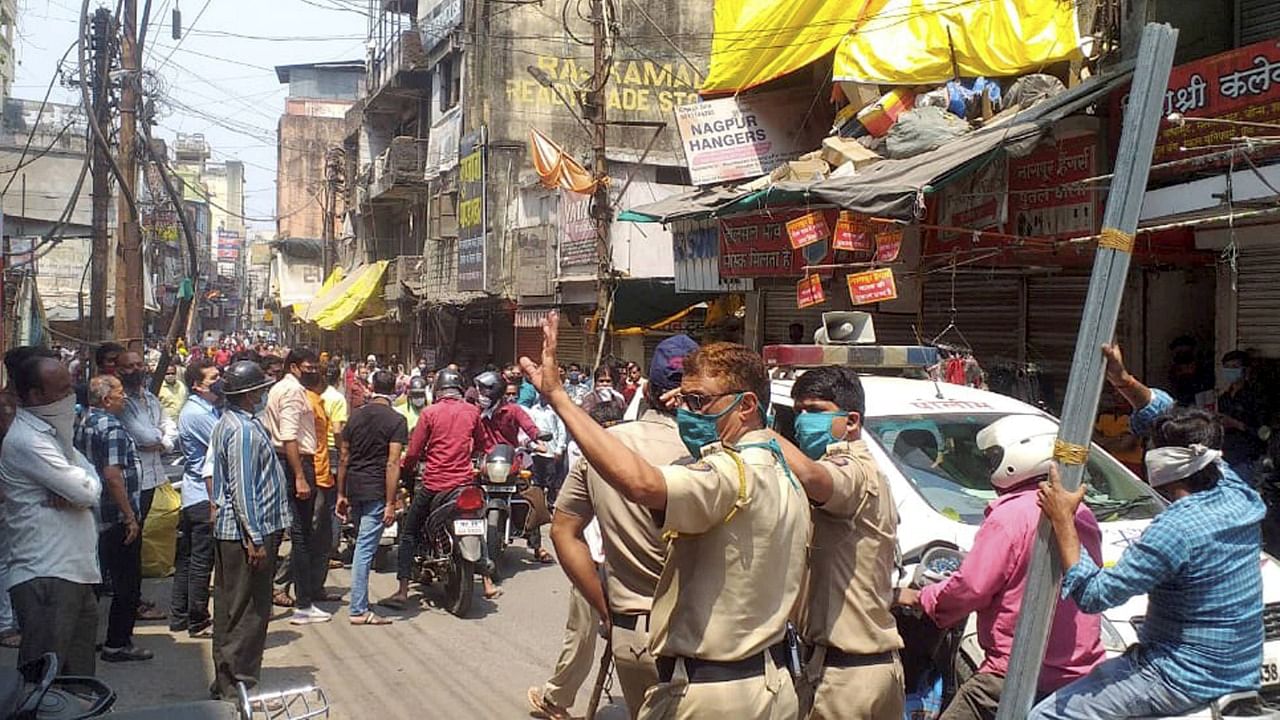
809, 292
872, 286
807, 229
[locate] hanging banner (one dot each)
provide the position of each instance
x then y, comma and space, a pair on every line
743, 137
577, 247
853, 233
809, 292
978, 201
755, 246
872, 286
807, 230
888, 245
472, 215
1042, 201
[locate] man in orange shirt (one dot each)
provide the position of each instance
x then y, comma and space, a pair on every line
327, 493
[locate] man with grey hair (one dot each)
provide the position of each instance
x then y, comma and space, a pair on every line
103, 439
50, 491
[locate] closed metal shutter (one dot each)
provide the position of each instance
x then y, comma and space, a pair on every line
571, 346
1257, 20
780, 311
1258, 300
988, 313
1054, 304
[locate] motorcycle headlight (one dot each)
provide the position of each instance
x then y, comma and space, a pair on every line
1112, 641
498, 472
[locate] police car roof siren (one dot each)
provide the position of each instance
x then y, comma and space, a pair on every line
846, 328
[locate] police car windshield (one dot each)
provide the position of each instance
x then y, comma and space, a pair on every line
938, 454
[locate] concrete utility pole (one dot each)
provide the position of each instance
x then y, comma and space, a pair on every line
1097, 327
129, 278
99, 260
601, 207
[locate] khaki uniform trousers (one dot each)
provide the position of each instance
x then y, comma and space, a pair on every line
867, 692
771, 696
634, 665
577, 654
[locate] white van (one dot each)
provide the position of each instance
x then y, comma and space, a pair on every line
923, 436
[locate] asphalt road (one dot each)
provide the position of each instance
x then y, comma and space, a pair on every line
427, 664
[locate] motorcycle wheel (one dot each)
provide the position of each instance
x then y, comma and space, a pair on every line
495, 528
459, 586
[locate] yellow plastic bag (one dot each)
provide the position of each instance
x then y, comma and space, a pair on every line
160, 534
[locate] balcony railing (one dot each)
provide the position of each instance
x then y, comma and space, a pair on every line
399, 172
401, 53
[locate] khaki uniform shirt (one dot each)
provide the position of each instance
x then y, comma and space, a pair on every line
633, 544
729, 582
850, 582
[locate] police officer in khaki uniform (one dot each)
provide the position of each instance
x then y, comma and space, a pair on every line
854, 672
634, 548
738, 524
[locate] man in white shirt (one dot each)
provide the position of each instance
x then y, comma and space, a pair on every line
50, 492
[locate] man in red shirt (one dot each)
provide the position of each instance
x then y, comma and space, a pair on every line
503, 421
448, 432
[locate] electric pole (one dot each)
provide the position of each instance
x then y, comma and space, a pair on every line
129, 277
601, 208
98, 263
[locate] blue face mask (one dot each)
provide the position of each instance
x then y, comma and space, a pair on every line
698, 430
1232, 375
813, 432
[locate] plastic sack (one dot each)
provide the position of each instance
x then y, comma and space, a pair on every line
921, 130
964, 97
160, 533
1031, 89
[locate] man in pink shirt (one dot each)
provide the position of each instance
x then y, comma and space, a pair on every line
993, 576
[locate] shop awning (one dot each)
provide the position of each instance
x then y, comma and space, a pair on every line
891, 189
356, 296
651, 303
335, 277
756, 41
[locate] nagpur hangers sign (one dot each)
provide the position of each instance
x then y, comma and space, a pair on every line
744, 137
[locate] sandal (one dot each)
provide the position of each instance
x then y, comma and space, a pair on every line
497, 593
11, 639
151, 612
541, 707
281, 599
544, 557
370, 618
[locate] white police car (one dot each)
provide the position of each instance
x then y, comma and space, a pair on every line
923, 436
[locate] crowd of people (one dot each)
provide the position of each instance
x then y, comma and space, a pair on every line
695, 536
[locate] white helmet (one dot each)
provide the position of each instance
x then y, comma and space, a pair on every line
1018, 448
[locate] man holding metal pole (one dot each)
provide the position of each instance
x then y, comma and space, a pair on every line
1197, 561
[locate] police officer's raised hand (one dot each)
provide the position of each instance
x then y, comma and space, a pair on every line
544, 375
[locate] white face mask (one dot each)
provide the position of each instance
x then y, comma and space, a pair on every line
605, 393
484, 401
61, 416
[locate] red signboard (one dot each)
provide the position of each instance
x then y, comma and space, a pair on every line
853, 233
808, 229
809, 292
872, 286
1041, 202
888, 245
1242, 84
758, 246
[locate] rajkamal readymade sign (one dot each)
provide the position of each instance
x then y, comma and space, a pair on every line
744, 137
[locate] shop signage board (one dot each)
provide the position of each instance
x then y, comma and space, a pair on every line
744, 137
809, 292
1241, 84
888, 245
444, 143
978, 201
472, 216
1042, 204
758, 246
853, 233
872, 286
808, 229
577, 234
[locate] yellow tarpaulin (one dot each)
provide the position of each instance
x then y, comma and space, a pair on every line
335, 277
345, 301
888, 42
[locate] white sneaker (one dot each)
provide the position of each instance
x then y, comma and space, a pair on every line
309, 616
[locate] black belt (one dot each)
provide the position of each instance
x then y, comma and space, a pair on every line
629, 622
711, 671
838, 658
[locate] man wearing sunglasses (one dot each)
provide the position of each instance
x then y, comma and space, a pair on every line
738, 524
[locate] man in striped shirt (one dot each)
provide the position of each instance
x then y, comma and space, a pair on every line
252, 512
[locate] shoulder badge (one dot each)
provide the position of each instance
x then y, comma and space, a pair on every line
838, 460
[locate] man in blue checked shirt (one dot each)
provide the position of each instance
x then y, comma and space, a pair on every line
1198, 563
252, 512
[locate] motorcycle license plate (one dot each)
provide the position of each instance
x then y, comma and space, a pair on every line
500, 488
1270, 671
468, 527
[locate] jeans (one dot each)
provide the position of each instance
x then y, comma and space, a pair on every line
325, 523
301, 533
192, 567
7, 620
368, 515
1121, 687
419, 509
125, 564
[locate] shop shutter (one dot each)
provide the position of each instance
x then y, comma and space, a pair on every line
987, 313
572, 342
780, 311
1257, 20
1258, 300
571, 347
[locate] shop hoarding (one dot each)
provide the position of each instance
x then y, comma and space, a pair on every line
745, 136
473, 218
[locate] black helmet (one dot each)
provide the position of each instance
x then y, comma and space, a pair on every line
244, 376
491, 385
417, 385
449, 380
